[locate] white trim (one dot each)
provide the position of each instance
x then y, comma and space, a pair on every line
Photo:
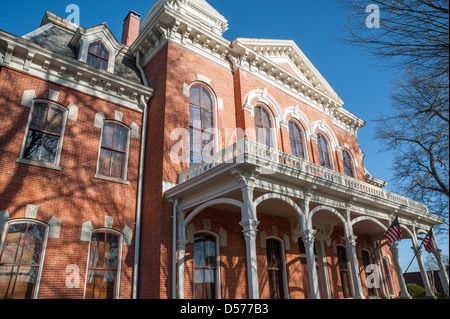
119, 259
122, 180
55, 165
43, 248
284, 271
218, 262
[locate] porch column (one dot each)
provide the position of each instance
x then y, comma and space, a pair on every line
398, 269
308, 240
249, 225
350, 243
443, 276
442, 271
423, 272
181, 250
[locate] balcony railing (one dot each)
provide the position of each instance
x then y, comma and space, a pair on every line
248, 151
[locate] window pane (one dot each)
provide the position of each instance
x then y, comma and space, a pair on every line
96, 258
93, 284
195, 158
208, 121
103, 52
13, 244
7, 278
198, 283
24, 285
92, 60
32, 245
210, 251
33, 145
117, 160
120, 140
49, 148
207, 144
258, 119
196, 140
196, 117
102, 64
94, 47
104, 162
108, 284
210, 287
266, 118
55, 120
112, 248
108, 135
195, 95
39, 117
199, 251
206, 100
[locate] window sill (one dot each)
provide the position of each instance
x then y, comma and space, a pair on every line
39, 164
111, 179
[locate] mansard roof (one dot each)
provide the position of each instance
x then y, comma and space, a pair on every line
60, 36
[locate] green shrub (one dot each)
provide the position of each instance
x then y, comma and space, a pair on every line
416, 291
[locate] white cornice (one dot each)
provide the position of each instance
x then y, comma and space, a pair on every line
36, 60
166, 22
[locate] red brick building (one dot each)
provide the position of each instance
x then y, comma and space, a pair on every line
178, 164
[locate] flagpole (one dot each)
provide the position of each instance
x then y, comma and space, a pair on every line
378, 246
415, 255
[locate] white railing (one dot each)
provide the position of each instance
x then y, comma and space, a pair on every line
248, 151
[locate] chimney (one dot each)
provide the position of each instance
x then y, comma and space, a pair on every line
130, 29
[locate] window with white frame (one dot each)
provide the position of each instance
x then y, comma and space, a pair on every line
45, 131
103, 273
276, 268
21, 259
113, 154
205, 266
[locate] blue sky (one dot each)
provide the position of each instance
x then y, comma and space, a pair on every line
313, 25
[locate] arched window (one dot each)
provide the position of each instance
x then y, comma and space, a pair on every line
102, 274
324, 154
113, 151
98, 55
296, 138
201, 124
205, 266
366, 262
263, 125
20, 260
344, 271
275, 268
348, 164
45, 132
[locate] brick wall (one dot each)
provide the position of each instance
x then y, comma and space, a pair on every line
72, 195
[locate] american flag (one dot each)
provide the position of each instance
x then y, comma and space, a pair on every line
428, 242
394, 233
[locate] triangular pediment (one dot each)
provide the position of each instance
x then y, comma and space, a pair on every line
287, 55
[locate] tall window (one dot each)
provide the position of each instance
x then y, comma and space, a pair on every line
275, 268
205, 266
44, 133
344, 271
348, 164
387, 275
296, 137
113, 151
324, 153
263, 125
201, 124
103, 266
20, 260
367, 262
98, 55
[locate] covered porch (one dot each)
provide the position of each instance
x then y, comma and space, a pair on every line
267, 194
